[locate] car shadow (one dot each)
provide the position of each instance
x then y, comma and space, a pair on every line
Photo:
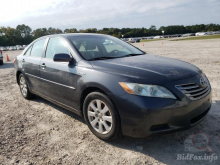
7, 65
67, 112
166, 148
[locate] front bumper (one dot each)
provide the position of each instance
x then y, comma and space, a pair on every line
144, 116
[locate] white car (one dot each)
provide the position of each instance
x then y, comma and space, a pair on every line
3, 48
12, 48
201, 33
157, 37
19, 47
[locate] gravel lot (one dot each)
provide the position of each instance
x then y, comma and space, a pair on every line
39, 132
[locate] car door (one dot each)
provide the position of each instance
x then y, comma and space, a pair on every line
31, 64
59, 78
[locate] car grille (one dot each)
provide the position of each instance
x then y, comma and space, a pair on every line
194, 91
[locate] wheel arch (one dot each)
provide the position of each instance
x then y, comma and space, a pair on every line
91, 89
17, 76
87, 91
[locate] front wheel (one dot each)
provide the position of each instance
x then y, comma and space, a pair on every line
24, 87
101, 116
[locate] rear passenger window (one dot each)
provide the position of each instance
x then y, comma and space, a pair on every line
56, 46
38, 48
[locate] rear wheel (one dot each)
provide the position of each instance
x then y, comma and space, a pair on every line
24, 87
101, 116
1, 62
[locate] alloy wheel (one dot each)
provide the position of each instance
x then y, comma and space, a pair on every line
23, 86
99, 116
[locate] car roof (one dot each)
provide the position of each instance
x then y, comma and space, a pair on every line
73, 34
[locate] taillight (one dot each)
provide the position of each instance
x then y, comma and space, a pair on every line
14, 61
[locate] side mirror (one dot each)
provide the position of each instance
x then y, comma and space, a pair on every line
62, 57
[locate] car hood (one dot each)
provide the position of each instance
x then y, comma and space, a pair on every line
150, 67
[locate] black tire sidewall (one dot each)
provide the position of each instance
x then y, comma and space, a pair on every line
115, 117
29, 94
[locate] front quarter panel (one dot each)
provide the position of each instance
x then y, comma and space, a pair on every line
107, 82
90, 78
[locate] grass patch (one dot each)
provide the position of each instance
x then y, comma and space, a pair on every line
149, 40
198, 38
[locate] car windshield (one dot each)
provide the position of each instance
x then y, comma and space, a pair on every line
99, 47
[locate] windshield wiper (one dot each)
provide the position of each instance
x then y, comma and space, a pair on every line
101, 58
108, 57
129, 55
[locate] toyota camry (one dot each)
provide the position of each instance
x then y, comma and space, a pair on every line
117, 88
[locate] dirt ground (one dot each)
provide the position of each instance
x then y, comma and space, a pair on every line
39, 132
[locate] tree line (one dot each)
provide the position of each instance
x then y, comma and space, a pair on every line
23, 34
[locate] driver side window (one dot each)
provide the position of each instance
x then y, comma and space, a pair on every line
56, 46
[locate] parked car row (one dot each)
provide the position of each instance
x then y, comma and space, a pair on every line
207, 33
17, 47
137, 39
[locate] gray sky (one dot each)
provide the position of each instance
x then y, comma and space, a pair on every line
82, 14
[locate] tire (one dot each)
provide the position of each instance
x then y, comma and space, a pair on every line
1, 62
101, 116
24, 88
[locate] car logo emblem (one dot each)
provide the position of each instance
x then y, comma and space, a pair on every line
202, 82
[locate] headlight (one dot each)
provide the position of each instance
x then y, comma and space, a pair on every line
147, 90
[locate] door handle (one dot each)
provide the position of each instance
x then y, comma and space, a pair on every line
23, 60
43, 66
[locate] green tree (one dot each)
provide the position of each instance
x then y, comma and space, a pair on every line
73, 30
13, 36
23, 34
40, 32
